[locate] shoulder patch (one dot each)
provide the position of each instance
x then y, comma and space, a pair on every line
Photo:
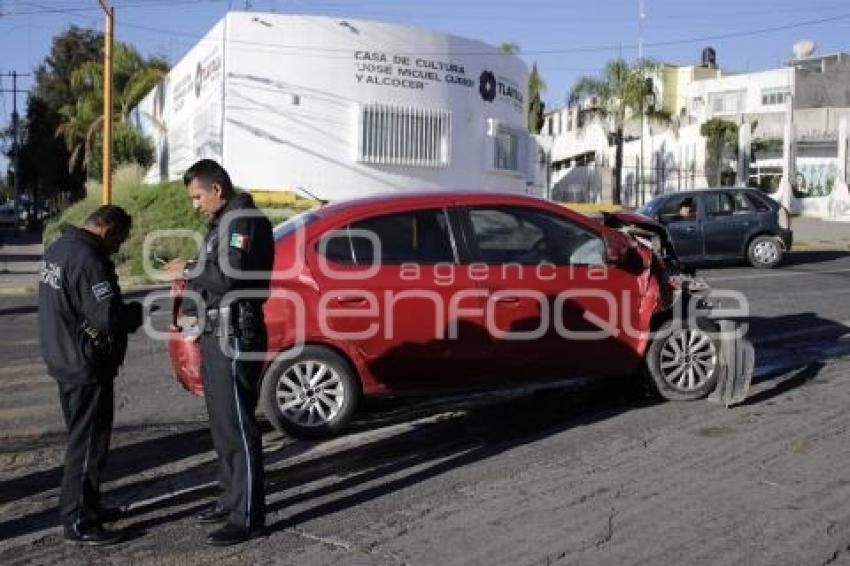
51, 275
240, 242
102, 290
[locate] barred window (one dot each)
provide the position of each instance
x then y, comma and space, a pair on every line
400, 135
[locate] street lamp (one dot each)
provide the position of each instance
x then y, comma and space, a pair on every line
109, 12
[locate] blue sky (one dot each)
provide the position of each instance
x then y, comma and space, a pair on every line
567, 38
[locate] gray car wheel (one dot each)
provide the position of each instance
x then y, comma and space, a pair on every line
764, 252
683, 361
312, 395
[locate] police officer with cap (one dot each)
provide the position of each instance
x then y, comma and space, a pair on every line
83, 326
235, 262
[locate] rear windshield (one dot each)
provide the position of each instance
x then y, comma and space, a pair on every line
292, 224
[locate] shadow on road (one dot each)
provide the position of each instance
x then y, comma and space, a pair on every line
814, 256
125, 461
461, 436
799, 378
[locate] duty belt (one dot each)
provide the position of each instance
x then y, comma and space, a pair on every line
219, 322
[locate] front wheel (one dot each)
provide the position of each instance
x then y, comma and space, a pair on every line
764, 252
683, 362
312, 395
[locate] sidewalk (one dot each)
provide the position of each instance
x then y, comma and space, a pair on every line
813, 233
20, 262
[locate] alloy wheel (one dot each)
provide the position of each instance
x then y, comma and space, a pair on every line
310, 393
688, 359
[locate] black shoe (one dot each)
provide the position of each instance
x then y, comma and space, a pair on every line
214, 514
92, 535
233, 534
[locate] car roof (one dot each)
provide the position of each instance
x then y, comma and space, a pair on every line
693, 192
419, 199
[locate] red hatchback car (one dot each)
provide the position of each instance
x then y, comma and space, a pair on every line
458, 290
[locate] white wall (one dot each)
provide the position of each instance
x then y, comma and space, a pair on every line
182, 115
751, 83
292, 88
292, 105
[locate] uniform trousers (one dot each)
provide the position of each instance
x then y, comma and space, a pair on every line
231, 392
88, 412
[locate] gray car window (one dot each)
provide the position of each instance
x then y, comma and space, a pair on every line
529, 236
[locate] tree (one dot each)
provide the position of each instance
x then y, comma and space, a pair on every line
536, 86
536, 106
509, 47
621, 91
721, 138
44, 158
82, 120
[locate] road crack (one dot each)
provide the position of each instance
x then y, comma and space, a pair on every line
346, 546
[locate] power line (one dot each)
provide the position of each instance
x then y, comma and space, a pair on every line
72, 10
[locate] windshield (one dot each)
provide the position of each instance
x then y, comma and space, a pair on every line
649, 207
291, 224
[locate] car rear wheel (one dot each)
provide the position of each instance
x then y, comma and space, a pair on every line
683, 362
311, 395
764, 252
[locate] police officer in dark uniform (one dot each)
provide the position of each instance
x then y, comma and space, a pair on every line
83, 326
235, 261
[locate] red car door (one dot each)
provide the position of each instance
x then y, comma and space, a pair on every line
555, 308
393, 288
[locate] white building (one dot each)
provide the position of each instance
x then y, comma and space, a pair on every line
815, 89
342, 108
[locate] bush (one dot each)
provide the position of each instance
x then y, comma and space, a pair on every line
153, 207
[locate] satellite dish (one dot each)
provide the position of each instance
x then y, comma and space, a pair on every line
803, 49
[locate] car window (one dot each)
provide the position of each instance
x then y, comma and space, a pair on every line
420, 236
742, 204
719, 204
530, 236
757, 203
292, 224
679, 208
728, 204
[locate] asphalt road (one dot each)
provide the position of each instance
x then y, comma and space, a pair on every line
598, 474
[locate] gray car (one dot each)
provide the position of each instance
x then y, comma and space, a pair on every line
724, 224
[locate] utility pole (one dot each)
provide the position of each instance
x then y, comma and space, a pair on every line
109, 12
16, 150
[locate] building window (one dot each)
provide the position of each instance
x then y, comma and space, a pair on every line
774, 96
400, 135
730, 102
509, 148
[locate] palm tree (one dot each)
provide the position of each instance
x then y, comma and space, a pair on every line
133, 76
620, 91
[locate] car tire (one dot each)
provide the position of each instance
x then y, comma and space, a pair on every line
764, 252
312, 395
683, 361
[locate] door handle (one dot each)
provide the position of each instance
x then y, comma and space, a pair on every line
507, 300
691, 229
351, 301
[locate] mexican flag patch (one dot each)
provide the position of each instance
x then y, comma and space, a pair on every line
240, 242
